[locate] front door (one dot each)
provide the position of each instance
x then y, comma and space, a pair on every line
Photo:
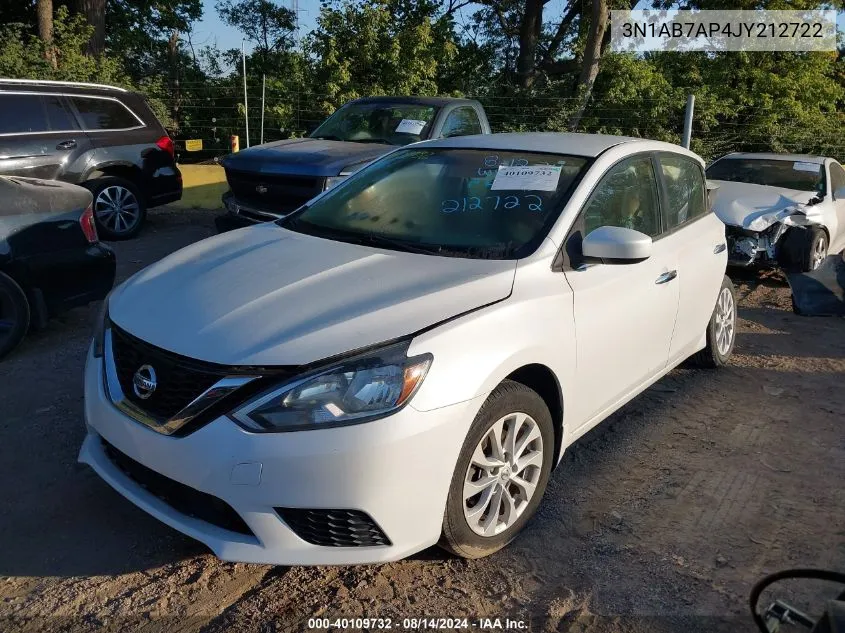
624, 313
39, 137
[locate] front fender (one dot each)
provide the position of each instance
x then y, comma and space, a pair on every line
474, 353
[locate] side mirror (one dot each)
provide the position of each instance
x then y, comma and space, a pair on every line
616, 245
839, 194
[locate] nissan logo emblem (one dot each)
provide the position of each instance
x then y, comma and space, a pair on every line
144, 382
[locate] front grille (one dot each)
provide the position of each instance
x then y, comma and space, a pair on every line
182, 498
179, 380
334, 528
277, 193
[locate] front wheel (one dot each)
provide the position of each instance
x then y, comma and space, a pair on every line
14, 314
501, 474
721, 330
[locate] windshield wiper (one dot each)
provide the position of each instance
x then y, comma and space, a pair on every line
381, 141
328, 137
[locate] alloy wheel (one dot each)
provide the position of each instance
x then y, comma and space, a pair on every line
117, 209
503, 474
819, 253
725, 321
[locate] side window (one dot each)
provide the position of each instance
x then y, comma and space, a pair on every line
686, 195
626, 197
59, 117
462, 122
104, 114
21, 114
837, 177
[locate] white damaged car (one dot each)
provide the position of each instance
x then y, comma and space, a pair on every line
780, 209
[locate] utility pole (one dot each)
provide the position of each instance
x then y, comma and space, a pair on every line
246, 105
688, 121
263, 88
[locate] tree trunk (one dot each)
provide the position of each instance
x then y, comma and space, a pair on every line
175, 89
530, 30
44, 8
95, 14
592, 58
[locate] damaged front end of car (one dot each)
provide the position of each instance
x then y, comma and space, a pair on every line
750, 248
760, 242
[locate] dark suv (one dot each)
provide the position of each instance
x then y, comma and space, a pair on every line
104, 138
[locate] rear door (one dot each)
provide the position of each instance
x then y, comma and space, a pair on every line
624, 313
696, 237
39, 137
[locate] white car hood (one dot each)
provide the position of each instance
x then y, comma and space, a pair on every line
756, 207
265, 295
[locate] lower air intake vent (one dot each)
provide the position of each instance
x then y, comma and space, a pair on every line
334, 528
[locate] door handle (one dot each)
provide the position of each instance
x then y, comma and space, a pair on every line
720, 248
666, 277
71, 144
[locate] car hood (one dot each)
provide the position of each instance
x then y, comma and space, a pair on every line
305, 157
756, 207
265, 295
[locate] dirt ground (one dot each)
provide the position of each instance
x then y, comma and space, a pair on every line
659, 520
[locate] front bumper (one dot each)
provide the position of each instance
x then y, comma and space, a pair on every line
397, 470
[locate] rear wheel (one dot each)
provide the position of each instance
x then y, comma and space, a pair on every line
119, 208
14, 314
501, 474
721, 330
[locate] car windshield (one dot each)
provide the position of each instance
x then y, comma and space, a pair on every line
473, 203
387, 123
787, 174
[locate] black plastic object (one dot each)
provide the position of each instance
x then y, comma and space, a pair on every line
822, 291
334, 528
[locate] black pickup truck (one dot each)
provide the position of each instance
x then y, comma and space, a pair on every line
269, 181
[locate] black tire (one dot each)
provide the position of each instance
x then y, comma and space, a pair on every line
711, 356
800, 248
508, 398
14, 314
107, 227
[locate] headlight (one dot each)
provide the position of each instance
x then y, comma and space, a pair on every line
333, 181
353, 391
100, 328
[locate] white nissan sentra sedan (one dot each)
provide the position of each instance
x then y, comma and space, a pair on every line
403, 361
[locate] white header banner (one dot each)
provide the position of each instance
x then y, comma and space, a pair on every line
715, 31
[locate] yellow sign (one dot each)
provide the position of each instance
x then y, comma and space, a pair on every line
193, 145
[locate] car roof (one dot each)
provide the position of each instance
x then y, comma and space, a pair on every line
430, 101
803, 158
575, 144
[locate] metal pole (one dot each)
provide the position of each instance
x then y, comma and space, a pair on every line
263, 87
688, 121
246, 105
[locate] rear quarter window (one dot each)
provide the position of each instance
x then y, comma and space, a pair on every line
104, 114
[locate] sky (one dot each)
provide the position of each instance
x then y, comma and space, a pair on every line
211, 29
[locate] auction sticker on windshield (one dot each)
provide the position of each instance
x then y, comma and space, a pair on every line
811, 167
410, 126
528, 178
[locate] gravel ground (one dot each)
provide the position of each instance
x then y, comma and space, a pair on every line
658, 520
